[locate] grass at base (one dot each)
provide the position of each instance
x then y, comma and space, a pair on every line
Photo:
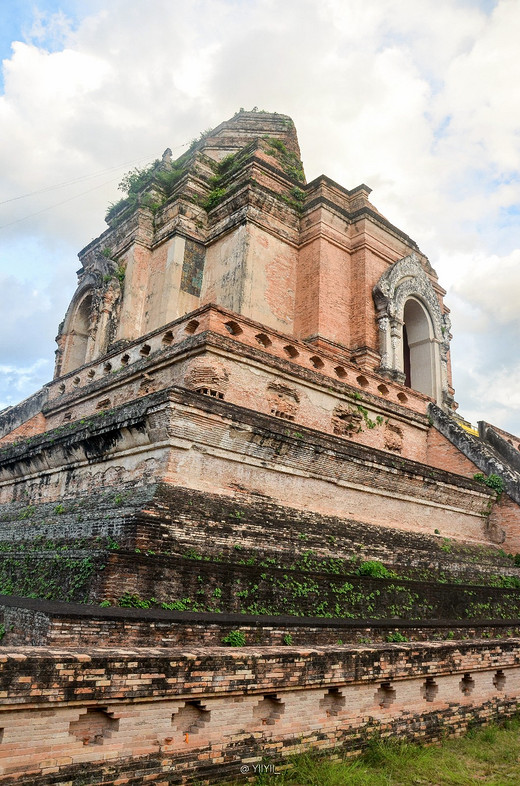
488, 756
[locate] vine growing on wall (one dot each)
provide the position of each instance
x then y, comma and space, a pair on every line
493, 481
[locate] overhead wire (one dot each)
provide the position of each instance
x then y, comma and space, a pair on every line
72, 182
56, 204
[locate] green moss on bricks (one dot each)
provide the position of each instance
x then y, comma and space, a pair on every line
58, 577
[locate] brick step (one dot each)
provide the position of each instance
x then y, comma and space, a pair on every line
130, 579
184, 521
40, 622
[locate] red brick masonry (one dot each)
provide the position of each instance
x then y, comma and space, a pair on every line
171, 717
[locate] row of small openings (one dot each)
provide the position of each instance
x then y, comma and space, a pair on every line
210, 392
283, 415
318, 363
386, 694
97, 724
144, 351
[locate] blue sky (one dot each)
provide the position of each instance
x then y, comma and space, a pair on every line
427, 114
19, 18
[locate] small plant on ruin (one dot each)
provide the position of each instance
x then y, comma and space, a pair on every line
133, 601
493, 481
288, 640
112, 544
178, 605
375, 569
235, 638
105, 604
396, 637
214, 197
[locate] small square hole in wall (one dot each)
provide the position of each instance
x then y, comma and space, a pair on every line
385, 696
94, 726
362, 381
499, 680
316, 361
467, 685
333, 702
269, 710
61, 388
383, 390
403, 398
191, 718
125, 360
107, 367
430, 689
291, 351
340, 372
191, 327
67, 417
233, 328
145, 350
91, 374
76, 380
264, 340
103, 404
167, 339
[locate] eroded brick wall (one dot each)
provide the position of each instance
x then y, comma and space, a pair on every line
35, 425
183, 715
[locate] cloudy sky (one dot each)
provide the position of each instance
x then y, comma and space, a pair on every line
417, 98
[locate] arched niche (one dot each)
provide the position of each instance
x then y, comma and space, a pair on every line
413, 332
419, 349
77, 335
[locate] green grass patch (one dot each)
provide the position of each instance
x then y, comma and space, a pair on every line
488, 756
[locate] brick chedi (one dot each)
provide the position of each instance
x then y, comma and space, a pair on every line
251, 438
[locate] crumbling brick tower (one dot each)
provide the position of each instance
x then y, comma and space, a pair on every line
250, 439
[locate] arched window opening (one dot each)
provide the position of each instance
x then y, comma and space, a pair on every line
418, 348
414, 330
77, 344
406, 359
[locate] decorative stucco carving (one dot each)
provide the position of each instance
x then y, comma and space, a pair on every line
99, 295
407, 279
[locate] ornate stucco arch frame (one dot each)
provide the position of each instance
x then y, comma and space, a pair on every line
407, 280
100, 283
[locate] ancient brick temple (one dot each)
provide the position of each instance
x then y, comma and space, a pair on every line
246, 490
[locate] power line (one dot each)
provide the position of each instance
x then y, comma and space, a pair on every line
73, 181
57, 204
